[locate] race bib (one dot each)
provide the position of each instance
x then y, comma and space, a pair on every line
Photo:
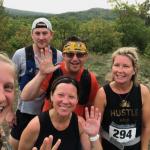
122, 135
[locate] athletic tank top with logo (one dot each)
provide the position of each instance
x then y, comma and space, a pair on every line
122, 119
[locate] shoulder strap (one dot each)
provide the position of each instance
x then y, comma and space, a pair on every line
29, 52
85, 87
30, 62
30, 67
54, 52
57, 73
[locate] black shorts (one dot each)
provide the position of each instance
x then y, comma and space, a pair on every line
22, 120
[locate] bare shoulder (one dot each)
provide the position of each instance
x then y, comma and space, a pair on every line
34, 125
145, 92
100, 100
144, 89
30, 134
102, 92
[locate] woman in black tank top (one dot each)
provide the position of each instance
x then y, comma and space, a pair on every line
125, 105
74, 132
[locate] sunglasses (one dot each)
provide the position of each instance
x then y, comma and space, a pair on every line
78, 54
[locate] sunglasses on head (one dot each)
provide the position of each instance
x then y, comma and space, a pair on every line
72, 54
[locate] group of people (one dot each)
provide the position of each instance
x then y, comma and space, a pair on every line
61, 104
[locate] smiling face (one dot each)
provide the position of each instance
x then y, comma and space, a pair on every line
122, 69
75, 63
64, 99
41, 37
7, 88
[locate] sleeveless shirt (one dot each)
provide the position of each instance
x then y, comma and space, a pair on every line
70, 138
122, 118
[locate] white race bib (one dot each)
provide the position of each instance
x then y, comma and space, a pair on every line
123, 134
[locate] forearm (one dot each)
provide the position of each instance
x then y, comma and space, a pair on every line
96, 145
31, 90
95, 142
145, 138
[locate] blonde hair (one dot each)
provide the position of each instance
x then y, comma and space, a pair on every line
131, 53
4, 58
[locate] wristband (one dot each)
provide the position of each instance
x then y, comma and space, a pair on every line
94, 138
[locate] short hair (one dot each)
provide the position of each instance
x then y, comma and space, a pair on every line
64, 79
131, 53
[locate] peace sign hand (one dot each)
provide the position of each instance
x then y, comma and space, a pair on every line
47, 144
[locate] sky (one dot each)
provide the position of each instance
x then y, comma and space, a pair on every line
59, 6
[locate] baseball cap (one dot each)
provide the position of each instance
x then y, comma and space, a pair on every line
42, 23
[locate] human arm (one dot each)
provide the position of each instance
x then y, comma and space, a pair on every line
90, 134
100, 101
32, 89
47, 144
145, 137
29, 135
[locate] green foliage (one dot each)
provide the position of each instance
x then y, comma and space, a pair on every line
131, 22
147, 51
134, 32
103, 30
100, 35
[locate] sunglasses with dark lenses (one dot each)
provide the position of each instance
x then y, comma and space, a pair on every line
78, 54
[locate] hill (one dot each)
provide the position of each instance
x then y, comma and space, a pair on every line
80, 15
17, 12
90, 14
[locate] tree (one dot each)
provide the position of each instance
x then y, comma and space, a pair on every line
4, 19
131, 24
144, 9
100, 35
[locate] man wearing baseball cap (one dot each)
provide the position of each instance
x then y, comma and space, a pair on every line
27, 63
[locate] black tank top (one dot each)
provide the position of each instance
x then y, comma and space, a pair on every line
70, 139
122, 116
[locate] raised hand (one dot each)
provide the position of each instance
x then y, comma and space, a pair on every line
92, 123
46, 65
47, 144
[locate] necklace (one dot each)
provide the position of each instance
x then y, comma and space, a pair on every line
123, 98
124, 101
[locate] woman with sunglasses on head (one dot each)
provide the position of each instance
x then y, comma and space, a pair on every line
75, 55
74, 132
125, 105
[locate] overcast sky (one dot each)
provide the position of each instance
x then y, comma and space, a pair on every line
58, 6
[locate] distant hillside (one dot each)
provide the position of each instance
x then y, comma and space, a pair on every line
90, 14
80, 15
16, 12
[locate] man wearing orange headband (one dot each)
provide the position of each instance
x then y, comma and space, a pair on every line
75, 55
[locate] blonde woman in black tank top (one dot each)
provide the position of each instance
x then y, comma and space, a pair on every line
125, 105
